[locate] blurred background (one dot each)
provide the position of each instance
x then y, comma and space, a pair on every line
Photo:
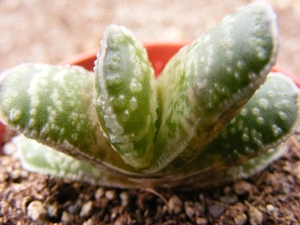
52, 31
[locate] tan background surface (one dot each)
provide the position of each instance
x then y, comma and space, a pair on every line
51, 31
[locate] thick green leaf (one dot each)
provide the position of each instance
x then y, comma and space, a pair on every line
268, 119
54, 105
205, 85
126, 96
36, 157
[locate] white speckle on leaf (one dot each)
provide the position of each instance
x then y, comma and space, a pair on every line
133, 104
271, 93
138, 73
237, 75
261, 52
243, 112
119, 139
113, 79
260, 120
229, 69
276, 130
206, 39
31, 123
9, 96
43, 82
252, 75
256, 111
116, 57
113, 66
286, 103
121, 100
232, 130
135, 86
240, 64
52, 115
283, 116
263, 103
125, 116
35, 101
15, 114
245, 137
112, 123
210, 105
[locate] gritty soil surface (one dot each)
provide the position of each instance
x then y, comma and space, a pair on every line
51, 31
270, 197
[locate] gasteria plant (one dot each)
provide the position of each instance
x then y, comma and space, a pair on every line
208, 115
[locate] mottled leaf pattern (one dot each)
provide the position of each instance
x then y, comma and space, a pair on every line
194, 122
126, 99
37, 157
250, 134
212, 78
54, 105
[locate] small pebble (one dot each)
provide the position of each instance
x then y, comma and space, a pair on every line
52, 209
66, 217
5, 208
24, 174
88, 222
175, 204
198, 209
272, 209
99, 193
201, 221
255, 216
241, 187
36, 210
189, 209
216, 210
124, 196
14, 175
229, 199
86, 209
9, 148
110, 194
240, 219
75, 208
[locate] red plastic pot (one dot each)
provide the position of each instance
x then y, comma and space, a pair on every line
159, 54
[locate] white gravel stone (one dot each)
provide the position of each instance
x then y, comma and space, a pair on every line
175, 204
110, 194
36, 210
86, 209
124, 196
66, 217
88, 222
99, 193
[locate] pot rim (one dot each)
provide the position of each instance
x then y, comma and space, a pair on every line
84, 59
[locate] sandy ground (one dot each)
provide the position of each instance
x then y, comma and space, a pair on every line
52, 31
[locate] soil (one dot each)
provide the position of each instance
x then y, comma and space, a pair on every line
51, 31
270, 197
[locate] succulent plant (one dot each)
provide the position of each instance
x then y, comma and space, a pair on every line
215, 110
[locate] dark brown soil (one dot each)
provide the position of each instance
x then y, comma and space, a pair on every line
270, 197
51, 31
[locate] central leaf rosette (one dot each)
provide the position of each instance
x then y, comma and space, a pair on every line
211, 112
199, 92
